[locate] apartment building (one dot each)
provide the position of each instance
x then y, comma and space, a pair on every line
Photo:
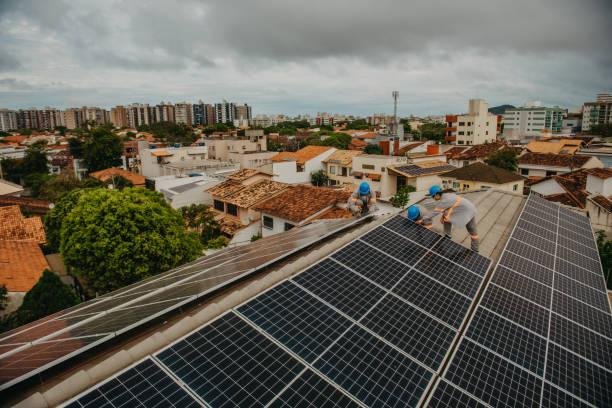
222, 147
73, 118
164, 112
138, 114
243, 112
8, 120
27, 119
183, 113
532, 121
203, 114
97, 116
598, 112
175, 160
224, 112
118, 116
478, 126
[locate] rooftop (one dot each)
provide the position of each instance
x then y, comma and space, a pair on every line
427, 168
21, 265
254, 193
483, 172
603, 174
481, 151
298, 203
406, 148
301, 156
343, 157
15, 227
226, 188
554, 160
32, 205
562, 146
8, 188
574, 184
243, 174
108, 174
603, 202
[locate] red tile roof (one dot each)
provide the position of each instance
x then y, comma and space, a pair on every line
298, 203
601, 173
405, 149
479, 151
105, 175
483, 172
32, 205
454, 151
335, 213
15, 227
301, 156
252, 194
554, 160
243, 174
604, 202
574, 184
21, 265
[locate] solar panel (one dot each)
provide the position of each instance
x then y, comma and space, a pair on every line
542, 333
362, 326
448, 396
122, 310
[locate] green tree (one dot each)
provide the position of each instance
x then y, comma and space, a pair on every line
3, 297
504, 159
402, 197
171, 132
54, 218
36, 182
433, 131
102, 149
217, 243
35, 160
372, 149
318, 178
274, 146
56, 186
333, 139
61, 130
113, 238
25, 132
604, 246
358, 124
603, 130
48, 296
199, 218
11, 169
75, 146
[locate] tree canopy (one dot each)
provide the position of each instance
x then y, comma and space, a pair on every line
603, 130
171, 132
372, 149
55, 217
112, 238
504, 159
432, 131
402, 197
358, 124
102, 149
333, 139
287, 128
604, 246
200, 219
318, 178
32, 166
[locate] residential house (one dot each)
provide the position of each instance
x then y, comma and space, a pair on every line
184, 191
599, 201
251, 159
339, 166
556, 146
602, 151
221, 147
373, 169
477, 153
539, 165
110, 175
420, 175
482, 176
298, 205
411, 149
8, 188
21, 259
296, 167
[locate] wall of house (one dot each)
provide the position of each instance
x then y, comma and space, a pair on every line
251, 160
278, 225
195, 195
468, 185
424, 182
244, 235
286, 172
316, 163
547, 188
595, 185
600, 218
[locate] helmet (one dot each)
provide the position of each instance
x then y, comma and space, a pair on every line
435, 189
413, 213
364, 188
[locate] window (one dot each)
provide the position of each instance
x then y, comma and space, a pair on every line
466, 163
455, 185
515, 187
461, 123
268, 222
524, 172
232, 209
466, 187
460, 142
219, 205
288, 226
551, 173
484, 187
332, 169
382, 169
344, 171
368, 166
487, 132
461, 133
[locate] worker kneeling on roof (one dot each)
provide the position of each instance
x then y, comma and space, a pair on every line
362, 200
456, 212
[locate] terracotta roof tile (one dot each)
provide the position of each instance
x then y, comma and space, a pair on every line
564, 146
335, 213
601, 173
555, 160
455, 151
254, 193
343, 157
107, 174
243, 174
226, 188
604, 202
301, 156
574, 184
26, 203
229, 225
357, 144
483, 172
21, 265
297, 203
405, 149
15, 227
479, 151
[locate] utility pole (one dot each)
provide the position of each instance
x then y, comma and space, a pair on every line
395, 95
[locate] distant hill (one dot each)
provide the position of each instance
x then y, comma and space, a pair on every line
499, 110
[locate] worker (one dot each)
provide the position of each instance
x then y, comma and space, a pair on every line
362, 200
456, 212
420, 215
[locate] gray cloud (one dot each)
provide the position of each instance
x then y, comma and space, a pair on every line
290, 55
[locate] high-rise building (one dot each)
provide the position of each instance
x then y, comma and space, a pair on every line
27, 118
8, 120
183, 113
531, 121
138, 114
73, 118
224, 112
118, 116
164, 112
478, 126
242, 112
598, 112
94, 115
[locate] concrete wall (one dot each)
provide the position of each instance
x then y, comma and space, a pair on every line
286, 172
547, 188
277, 227
244, 235
467, 185
595, 185
600, 219
251, 160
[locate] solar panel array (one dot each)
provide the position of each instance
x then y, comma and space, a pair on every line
416, 170
542, 333
39, 345
369, 325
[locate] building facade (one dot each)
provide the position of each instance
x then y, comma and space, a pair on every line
477, 127
597, 113
183, 113
532, 121
118, 116
8, 120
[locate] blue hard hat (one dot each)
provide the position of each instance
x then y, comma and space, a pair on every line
435, 189
364, 188
413, 212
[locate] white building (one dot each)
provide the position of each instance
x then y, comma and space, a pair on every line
532, 121
339, 167
184, 191
598, 112
8, 120
297, 167
478, 126
373, 168
220, 148
183, 113
536, 165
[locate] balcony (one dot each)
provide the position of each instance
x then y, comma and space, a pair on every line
450, 139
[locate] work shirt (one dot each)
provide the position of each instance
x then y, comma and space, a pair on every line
456, 209
356, 199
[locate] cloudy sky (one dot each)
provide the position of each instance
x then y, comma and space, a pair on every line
304, 56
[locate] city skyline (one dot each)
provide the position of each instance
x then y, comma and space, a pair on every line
346, 59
